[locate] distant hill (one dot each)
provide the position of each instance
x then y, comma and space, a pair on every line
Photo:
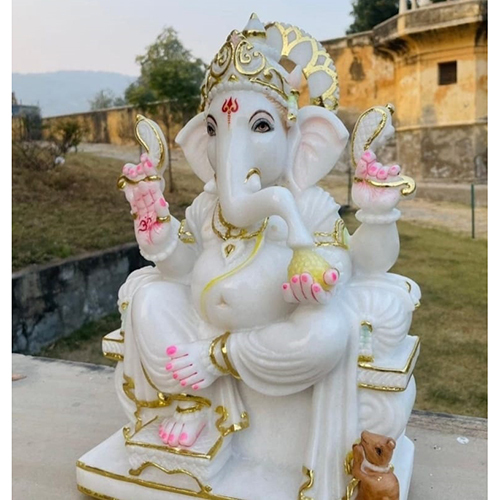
64, 92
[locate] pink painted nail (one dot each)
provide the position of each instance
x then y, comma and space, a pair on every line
175, 375
183, 437
163, 203
171, 437
196, 387
304, 277
171, 350
148, 164
169, 366
316, 288
285, 286
383, 173
295, 279
183, 383
395, 169
334, 276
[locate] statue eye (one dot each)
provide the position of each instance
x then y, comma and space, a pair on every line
378, 450
211, 129
262, 126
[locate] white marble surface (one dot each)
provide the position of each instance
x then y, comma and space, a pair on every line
61, 410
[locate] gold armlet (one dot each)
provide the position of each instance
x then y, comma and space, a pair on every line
229, 368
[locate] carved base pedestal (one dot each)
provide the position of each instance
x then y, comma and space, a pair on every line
104, 473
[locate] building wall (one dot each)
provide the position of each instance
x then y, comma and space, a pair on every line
440, 129
114, 126
366, 76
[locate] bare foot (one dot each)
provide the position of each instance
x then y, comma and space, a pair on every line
183, 428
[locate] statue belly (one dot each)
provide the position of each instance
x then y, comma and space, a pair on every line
250, 297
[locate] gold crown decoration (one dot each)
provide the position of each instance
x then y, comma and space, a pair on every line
316, 63
251, 59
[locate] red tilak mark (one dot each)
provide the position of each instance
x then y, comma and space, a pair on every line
229, 107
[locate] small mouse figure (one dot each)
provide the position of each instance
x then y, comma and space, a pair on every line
372, 467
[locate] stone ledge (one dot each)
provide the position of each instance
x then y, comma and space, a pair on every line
62, 409
51, 301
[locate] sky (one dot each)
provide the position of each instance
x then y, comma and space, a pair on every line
107, 35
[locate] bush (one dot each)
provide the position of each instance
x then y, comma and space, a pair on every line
66, 134
34, 155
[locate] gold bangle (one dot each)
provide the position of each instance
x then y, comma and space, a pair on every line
223, 349
229, 368
213, 359
166, 218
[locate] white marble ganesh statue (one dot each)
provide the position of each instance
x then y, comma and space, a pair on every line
265, 338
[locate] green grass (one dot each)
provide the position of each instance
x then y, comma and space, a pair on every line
76, 208
451, 270
84, 345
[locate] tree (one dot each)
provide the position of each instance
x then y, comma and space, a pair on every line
170, 83
105, 99
369, 13
66, 134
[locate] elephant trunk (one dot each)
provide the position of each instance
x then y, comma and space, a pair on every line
244, 202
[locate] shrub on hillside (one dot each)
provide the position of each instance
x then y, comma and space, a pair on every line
66, 134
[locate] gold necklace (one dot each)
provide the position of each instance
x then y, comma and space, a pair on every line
233, 232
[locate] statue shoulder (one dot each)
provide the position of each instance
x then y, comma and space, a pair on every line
198, 212
318, 209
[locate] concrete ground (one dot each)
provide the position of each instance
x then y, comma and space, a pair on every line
63, 409
443, 206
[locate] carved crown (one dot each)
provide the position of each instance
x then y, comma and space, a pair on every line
251, 59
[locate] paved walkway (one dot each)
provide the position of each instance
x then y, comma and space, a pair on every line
424, 212
63, 409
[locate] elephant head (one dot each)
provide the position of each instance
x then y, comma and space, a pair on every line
251, 142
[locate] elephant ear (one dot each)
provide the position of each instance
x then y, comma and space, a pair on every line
193, 139
321, 138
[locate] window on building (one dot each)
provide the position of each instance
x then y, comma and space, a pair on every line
447, 73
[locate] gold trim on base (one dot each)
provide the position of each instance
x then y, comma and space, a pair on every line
206, 495
94, 494
403, 371
383, 388
114, 356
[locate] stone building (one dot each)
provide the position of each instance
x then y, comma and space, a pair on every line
431, 63
26, 120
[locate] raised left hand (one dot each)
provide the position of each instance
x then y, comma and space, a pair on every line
366, 194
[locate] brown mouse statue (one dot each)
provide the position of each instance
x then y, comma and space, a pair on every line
372, 468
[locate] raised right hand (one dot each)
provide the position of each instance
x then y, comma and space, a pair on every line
152, 220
